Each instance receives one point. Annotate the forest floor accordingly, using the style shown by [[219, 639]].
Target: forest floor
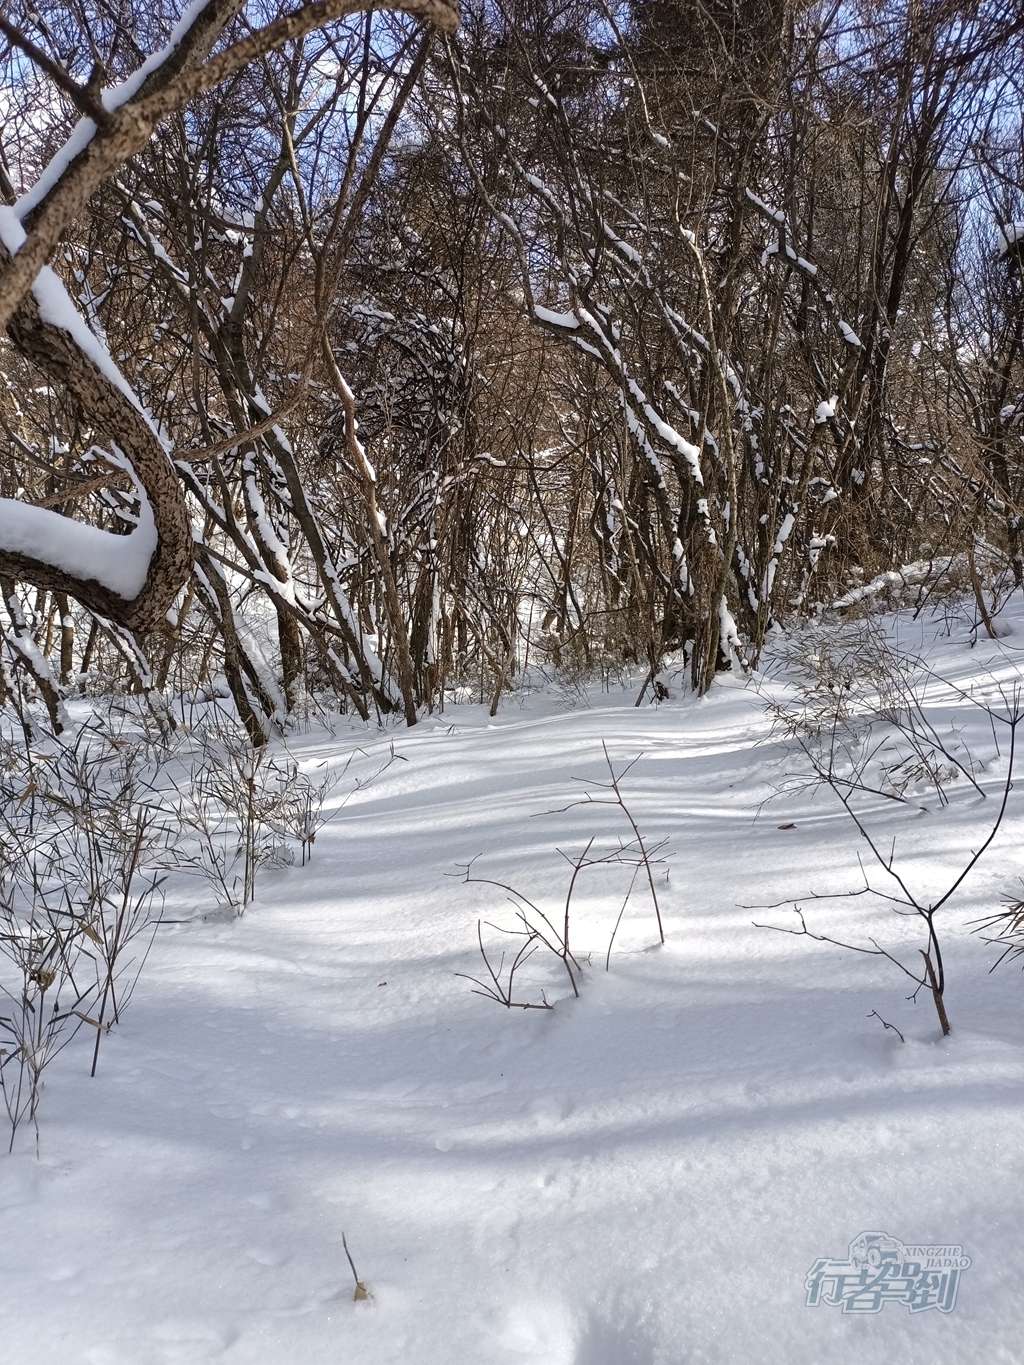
[[643, 1175]]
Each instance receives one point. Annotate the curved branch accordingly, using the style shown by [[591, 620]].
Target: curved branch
[[131, 579]]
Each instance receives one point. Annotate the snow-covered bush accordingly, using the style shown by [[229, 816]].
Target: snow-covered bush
[[82, 826], [240, 806], [551, 930], [855, 710], [857, 715]]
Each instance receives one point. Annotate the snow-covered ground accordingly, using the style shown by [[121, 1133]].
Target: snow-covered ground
[[642, 1176]]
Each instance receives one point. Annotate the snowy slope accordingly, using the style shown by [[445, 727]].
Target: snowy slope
[[643, 1176]]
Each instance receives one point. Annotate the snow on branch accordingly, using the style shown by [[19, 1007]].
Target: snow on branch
[[807, 268]]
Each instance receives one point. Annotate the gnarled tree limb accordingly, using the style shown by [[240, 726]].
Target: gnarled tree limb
[[121, 424]]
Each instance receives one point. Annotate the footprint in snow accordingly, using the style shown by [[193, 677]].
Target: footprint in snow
[[548, 1110], [201, 1338], [607, 1342], [19, 1183]]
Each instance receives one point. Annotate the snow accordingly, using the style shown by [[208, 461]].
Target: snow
[[775, 214], [629, 252], [824, 412], [639, 433], [671, 437], [909, 575], [805, 265], [786, 527], [731, 644], [119, 563], [643, 1176], [665, 430], [1009, 234], [849, 335], [554, 319]]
